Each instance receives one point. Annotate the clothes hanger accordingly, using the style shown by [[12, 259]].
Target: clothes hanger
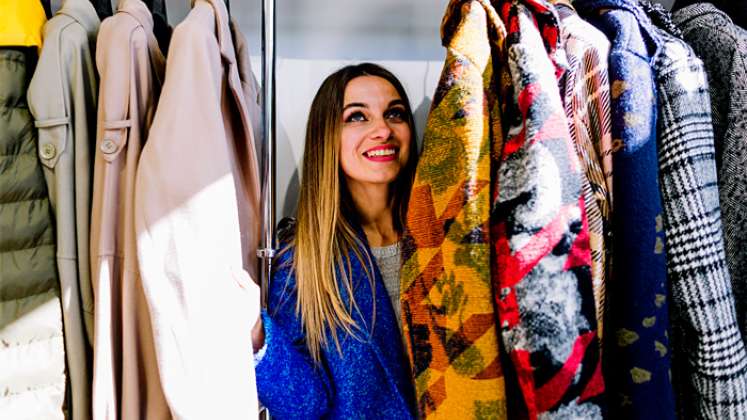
[[103, 8]]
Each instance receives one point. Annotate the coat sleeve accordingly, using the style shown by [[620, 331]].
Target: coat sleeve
[[289, 383], [84, 93]]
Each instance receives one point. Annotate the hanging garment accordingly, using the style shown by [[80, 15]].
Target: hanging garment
[[32, 355], [126, 383], [734, 10], [723, 48], [708, 348], [250, 86], [198, 223], [367, 378], [638, 373], [62, 98], [21, 23], [448, 318], [585, 89], [539, 229]]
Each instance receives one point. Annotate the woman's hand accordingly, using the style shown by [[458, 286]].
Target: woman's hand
[[253, 297], [258, 335]]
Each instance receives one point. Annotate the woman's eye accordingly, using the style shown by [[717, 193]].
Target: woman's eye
[[355, 117], [396, 115]]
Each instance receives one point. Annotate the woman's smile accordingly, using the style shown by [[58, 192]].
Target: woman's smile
[[383, 153]]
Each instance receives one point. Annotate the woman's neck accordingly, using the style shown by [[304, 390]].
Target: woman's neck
[[374, 206]]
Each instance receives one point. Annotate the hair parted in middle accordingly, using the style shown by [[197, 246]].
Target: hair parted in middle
[[327, 227]]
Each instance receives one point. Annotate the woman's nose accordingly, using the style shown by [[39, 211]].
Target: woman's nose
[[381, 130]]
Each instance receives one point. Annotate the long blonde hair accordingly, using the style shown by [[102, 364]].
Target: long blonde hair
[[327, 222]]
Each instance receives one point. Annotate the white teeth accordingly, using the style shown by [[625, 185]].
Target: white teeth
[[380, 152]]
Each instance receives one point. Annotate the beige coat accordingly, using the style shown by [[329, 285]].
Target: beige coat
[[62, 98], [197, 218], [131, 67]]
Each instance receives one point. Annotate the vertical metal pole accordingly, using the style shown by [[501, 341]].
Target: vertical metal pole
[[267, 248]]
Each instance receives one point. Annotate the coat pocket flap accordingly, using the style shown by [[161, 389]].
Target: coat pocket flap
[[52, 140], [114, 139]]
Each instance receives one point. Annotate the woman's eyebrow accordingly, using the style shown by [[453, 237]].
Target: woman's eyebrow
[[396, 102], [355, 105]]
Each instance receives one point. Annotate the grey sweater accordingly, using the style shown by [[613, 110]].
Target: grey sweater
[[387, 259]]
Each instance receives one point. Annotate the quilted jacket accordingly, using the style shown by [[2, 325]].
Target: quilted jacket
[[33, 381]]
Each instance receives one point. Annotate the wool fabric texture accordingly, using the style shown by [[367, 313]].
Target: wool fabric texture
[[541, 269], [723, 48], [638, 351], [585, 89], [367, 378], [709, 352], [449, 321]]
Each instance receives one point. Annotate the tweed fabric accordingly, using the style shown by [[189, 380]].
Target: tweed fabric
[[447, 300], [638, 351], [709, 350], [723, 48], [540, 235], [585, 89]]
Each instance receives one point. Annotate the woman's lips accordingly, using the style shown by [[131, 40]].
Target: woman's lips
[[383, 153]]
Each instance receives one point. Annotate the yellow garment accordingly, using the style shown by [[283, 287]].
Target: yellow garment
[[21, 23], [448, 309]]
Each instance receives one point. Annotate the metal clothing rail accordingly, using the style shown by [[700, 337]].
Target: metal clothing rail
[[266, 251], [267, 247]]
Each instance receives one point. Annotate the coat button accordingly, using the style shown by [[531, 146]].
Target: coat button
[[108, 146], [505, 291], [48, 151]]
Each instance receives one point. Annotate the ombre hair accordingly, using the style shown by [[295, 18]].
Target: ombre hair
[[327, 228]]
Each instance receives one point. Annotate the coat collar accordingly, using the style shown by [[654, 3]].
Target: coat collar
[[139, 11], [222, 28], [695, 11], [382, 332], [591, 8], [83, 12], [384, 338]]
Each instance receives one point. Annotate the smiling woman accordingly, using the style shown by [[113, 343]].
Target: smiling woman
[[332, 331]]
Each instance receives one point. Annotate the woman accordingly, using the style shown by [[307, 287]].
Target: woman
[[330, 344]]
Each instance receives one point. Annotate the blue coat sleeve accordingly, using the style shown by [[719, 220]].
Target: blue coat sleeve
[[289, 383]]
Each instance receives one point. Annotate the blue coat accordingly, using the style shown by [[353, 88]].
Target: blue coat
[[370, 378], [637, 344]]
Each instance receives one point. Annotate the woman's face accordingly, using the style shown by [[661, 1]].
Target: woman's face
[[376, 133]]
